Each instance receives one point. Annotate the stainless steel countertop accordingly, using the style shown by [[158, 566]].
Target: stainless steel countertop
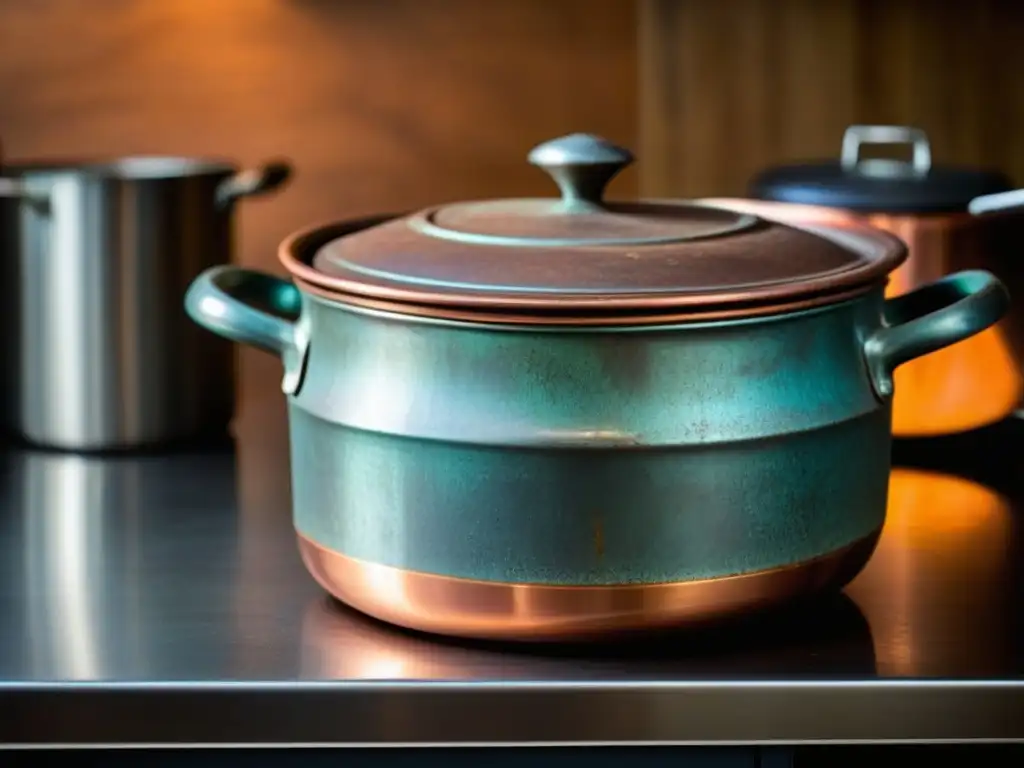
[[160, 599]]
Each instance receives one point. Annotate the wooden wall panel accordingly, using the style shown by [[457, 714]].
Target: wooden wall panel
[[381, 105], [384, 104], [731, 86]]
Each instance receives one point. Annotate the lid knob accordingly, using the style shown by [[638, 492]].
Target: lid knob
[[582, 165]]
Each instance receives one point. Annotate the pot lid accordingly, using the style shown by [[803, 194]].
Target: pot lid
[[581, 251], [879, 185]]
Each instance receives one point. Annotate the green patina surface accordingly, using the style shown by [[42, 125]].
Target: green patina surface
[[659, 386], [590, 456], [598, 457], [584, 516]]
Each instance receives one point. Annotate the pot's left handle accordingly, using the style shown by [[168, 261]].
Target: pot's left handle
[[253, 181], [253, 308], [932, 317]]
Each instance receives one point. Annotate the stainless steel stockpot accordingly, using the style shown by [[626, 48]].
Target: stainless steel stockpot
[[97, 257], [571, 417]]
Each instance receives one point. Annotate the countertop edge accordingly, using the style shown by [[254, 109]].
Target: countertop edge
[[254, 714]]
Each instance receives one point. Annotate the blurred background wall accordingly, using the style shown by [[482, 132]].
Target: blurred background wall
[[381, 105], [396, 104], [728, 87]]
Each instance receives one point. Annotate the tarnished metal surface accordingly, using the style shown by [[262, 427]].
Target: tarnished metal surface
[[655, 387], [588, 457], [161, 599], [588, 517]]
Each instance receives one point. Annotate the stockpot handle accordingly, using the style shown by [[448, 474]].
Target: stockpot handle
[[17, 188], [253, 308], [253, 181], [11, 188], [934, 316]]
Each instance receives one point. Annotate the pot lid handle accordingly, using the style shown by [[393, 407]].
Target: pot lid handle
[[582, 165], [857, 135]]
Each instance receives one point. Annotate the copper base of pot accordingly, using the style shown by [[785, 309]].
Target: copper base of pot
[[495, 610]]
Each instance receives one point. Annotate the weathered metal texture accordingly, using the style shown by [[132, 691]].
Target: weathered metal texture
[[684, 385], [435, 458], [588, 517], [628, 456], [590, 456]]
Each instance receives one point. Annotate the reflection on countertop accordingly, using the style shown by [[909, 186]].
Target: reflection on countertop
[[827, 639], [938, 591], [184, 566]]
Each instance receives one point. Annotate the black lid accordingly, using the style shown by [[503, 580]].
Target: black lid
[[879, 185]]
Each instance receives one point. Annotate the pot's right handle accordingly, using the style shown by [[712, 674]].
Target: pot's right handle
[[932, 317], [253, 308]]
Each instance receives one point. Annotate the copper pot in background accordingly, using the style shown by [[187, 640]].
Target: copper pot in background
[[974, 382]]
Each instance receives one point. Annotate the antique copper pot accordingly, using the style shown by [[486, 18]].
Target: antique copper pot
[[570, 417]]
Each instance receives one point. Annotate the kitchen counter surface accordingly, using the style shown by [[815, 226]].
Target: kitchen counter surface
[[160, 599]]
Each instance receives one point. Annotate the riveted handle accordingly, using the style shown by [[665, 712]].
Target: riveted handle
[[932, 317], [857, 136], [253, 308], [582, 165]]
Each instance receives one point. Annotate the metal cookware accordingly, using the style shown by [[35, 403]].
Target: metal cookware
[[568, 417], [97, 257], [977, 381]]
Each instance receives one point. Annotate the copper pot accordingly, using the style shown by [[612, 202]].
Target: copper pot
[[974, 382], [568, 417]]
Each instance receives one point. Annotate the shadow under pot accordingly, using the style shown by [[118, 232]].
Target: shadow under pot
[[566, 418], [927, 205], [97, 256]]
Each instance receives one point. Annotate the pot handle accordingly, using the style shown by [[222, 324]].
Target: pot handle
[[253, 308], [253, 181], [16, 188], [11, 188], [934, 316]]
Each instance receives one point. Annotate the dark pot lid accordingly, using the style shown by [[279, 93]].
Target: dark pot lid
[[877, 185], [580, 251]]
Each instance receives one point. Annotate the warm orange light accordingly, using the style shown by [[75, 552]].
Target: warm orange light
[[936, 593], [967, 385]]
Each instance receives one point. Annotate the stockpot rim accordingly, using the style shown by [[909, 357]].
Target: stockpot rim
[[134, 167]]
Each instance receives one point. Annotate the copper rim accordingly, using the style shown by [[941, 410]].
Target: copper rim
[[296, 251], [571, 319], [496, 610]]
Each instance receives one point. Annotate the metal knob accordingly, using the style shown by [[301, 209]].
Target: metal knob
[[582, 165]]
